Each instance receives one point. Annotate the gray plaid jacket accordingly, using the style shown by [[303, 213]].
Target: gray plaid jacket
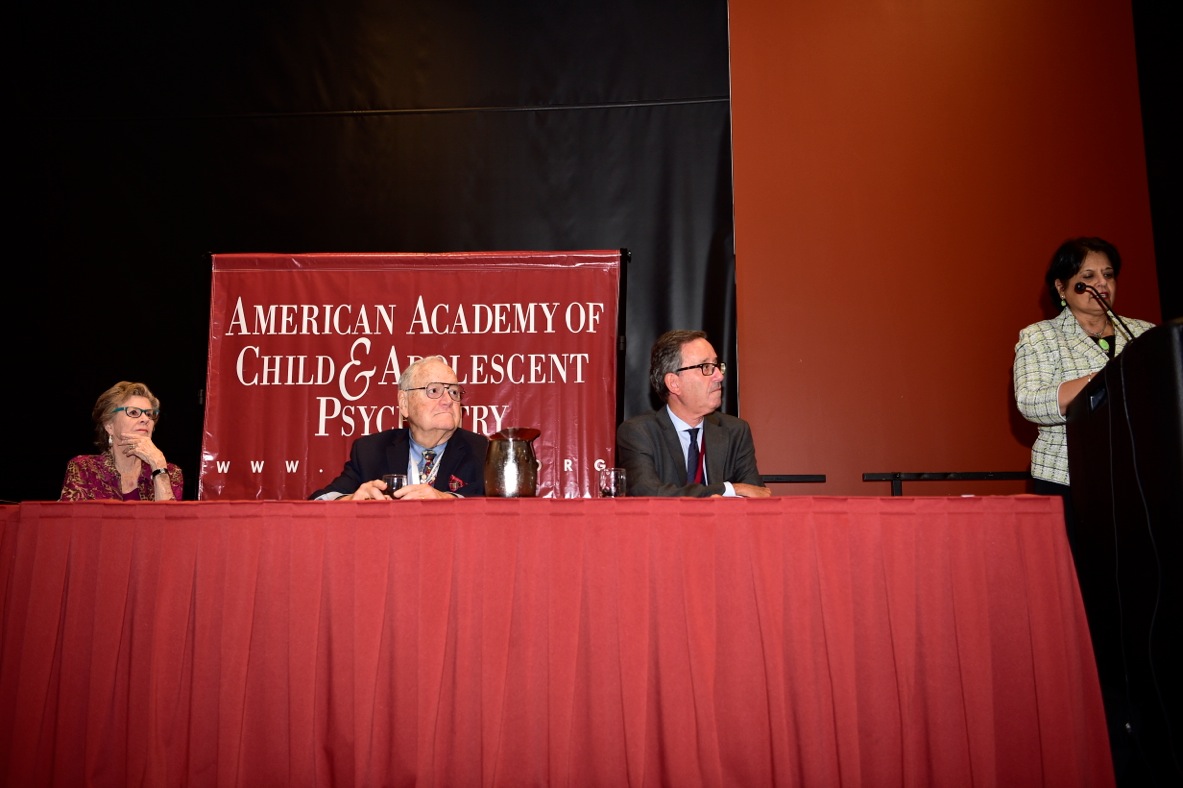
[[1048, 353]]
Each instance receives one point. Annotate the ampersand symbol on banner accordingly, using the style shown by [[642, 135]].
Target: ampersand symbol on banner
[[343, 381]]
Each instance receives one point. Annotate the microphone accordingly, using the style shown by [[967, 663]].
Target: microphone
[[1081, 287]]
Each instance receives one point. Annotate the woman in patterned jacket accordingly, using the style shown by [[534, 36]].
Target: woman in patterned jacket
[[129, 466], [1055, 359]]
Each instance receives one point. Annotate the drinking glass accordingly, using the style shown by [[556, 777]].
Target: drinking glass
[[394, 481], [613, 483]]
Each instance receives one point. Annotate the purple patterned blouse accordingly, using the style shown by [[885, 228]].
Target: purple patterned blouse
[[94, 476]]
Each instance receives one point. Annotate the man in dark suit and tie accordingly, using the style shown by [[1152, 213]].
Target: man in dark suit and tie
[[440, 459], [686, 448]]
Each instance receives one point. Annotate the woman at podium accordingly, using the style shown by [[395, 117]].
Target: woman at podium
[[1055, 359]]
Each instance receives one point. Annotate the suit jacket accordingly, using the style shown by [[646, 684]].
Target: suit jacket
[[647, 447], [1048, 353], [462, 468]]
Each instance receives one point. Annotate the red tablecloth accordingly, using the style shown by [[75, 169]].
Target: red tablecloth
[[790, 641]]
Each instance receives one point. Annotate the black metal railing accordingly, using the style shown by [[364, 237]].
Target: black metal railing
[[793, 478], [897, 478]]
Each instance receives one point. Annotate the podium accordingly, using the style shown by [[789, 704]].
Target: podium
[[1125, 458]]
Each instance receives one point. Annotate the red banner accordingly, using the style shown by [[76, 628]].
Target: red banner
[[305, 353]]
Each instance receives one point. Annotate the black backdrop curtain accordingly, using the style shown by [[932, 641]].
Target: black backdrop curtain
[[150, 136]]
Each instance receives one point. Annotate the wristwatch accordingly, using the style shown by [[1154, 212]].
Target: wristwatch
[[157, 472]]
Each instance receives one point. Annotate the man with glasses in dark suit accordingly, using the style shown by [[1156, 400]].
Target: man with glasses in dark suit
[[687, 448], [438, 458]]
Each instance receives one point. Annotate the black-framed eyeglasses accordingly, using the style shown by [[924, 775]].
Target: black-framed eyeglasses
[[436, 390], [135, 413], [706, 368]]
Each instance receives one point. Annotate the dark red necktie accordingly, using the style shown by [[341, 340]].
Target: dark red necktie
[[693, 461]]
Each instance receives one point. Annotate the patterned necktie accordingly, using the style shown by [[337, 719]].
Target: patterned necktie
[[692, 456], [428, 463]]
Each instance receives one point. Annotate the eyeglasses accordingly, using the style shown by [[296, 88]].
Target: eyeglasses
[[436, 390], [135, 413], [706, 368]]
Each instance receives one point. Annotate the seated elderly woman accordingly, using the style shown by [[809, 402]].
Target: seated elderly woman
[[129, 466]]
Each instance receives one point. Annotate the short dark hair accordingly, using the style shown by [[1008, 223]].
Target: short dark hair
[[666, 357], [1068, 258]]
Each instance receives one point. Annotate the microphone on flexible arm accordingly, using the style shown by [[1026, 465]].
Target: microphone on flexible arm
[[1081, 287]]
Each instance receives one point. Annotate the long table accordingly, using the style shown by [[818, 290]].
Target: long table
[[798, 641]]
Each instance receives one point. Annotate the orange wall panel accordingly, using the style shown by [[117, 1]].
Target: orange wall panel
[[903, 173]]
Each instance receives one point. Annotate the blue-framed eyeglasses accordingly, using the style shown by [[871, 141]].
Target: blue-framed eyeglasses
[[707, 368], [436, 390], [135, 413]]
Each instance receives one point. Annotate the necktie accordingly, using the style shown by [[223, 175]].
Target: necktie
[[692, 456], [428, 463]]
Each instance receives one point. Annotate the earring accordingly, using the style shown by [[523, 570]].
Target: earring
[[1063, 302]]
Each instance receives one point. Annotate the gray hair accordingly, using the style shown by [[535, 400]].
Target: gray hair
[[408, 376], [666, 357]]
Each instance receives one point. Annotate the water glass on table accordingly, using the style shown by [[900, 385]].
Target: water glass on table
[[394, 481], [613, 483]]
